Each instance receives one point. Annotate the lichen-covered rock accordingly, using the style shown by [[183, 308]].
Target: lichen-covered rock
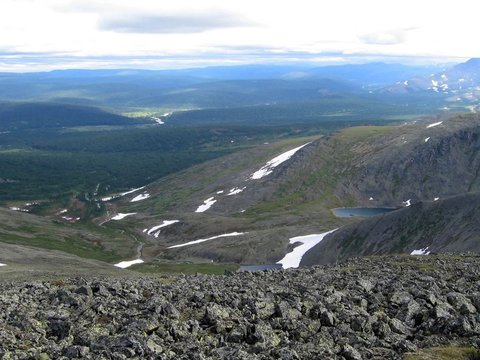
[[362, 309]]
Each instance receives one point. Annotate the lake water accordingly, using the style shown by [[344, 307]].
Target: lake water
[[364, 212], [260, 267]]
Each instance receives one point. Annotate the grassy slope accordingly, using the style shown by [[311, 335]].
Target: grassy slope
[[83, 240]]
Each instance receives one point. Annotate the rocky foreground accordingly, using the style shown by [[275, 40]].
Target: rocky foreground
[[370, 308]]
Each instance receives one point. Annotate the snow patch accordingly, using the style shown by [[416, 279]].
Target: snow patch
[[3, 264], [235, 191], [120, 216], [126, 264], [108, 198], [293, 258], [434, 83], [14, 208], [434, 124], [426, 139], [405, 83], [269, 166], [408, 202], [157, 120], [436, 199], [220, 192], [207, 239], [155, 231], [206, 205], [420, 252], [140, 197], [371, 198]]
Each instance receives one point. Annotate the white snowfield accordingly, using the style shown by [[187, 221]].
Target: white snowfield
[[14, 208], [120, 216], [272, 164], [207, 204], [236, 191], [293, 258], [108, 198], [434, 124], [155, 231], [420, 252], [158, 120], [207, 239], [140, 197], [126, 264]]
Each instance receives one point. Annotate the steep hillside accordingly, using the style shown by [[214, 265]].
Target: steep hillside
[[225, 213], [443, 226]]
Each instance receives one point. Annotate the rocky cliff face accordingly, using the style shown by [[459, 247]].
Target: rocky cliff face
[[416, 163], [371, 308], [443, 226]]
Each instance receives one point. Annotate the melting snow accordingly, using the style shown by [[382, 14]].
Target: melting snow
[[420, 252], [426, 139], [235, 191], [269, 166], [434, 124], [293, 258], [108, 198], [434, 83], [206, 205], [408, 202], [140, 197], [126, 264], [14, 208], [154, 229], [120, 216], [158, 120], [207, 239]]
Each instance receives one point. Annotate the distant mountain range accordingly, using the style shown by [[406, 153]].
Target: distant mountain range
[[210, 87], [460, 82]]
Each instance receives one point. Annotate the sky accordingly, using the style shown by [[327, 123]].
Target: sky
[[38, 35]]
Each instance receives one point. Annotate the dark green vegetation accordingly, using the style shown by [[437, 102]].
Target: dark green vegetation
[[52, 150]]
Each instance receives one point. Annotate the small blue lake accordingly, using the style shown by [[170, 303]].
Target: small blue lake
[[364, 212]]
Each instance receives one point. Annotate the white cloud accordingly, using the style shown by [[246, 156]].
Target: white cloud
[[87, 29]]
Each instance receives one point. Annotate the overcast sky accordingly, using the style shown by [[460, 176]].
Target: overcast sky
[[49, 34]]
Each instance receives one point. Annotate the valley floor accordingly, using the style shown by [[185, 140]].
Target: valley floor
[[365, 308]]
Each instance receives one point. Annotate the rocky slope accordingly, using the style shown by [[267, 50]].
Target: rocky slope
[[442, 226], [370, 308]]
